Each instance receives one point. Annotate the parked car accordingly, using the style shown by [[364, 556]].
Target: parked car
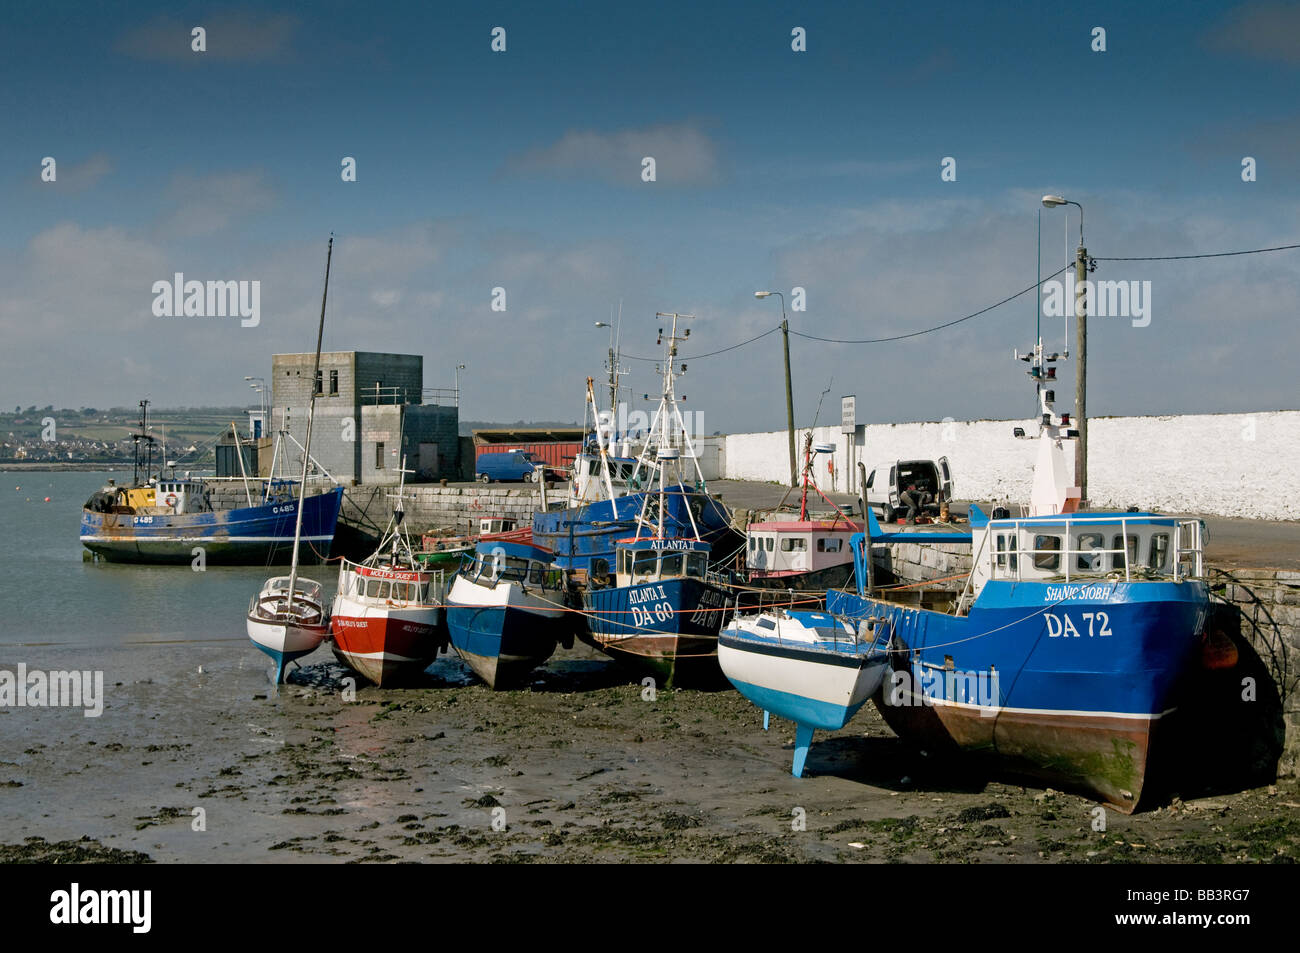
[[887, 481], [512, 465]]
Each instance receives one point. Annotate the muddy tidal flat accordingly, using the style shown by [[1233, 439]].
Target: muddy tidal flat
[[197, 757]]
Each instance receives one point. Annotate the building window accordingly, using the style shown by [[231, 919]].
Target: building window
[[319, 376], [379, 456], [334, 382]]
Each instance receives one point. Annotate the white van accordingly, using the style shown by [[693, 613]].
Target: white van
[[887, 481]]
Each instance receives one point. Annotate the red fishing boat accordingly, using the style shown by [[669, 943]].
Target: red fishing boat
[[387, 621]]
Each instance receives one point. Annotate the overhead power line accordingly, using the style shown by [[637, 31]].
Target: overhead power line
[[937, 327], [1217, 254], [975, 314], [696, 357]]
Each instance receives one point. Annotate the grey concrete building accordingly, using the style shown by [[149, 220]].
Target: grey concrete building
[[370, 412]]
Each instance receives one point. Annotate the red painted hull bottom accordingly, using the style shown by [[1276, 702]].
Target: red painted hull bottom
[[1103, 757], [386, 650]]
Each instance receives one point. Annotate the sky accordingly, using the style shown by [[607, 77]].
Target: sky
[[775, 169]]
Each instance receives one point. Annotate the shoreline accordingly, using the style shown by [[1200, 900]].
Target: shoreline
[[578, 767]]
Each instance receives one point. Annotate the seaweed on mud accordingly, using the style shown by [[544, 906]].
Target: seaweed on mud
[[988, 812], [37, 850]]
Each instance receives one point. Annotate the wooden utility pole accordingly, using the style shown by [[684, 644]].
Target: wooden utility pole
[[789, 396], [1081, 370]]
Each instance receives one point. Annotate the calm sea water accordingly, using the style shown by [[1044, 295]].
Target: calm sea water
[[51, 595]]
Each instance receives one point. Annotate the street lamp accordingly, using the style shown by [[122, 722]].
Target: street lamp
[[789, 393], [261, 395], [459, 368], [1080, 349]]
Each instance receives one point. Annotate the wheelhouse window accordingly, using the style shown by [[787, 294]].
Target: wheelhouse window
[[1131, 550], [1089, 557], [831, 545], [794, 544], [674, 564], [1005, 545], [645, 563], [1159, 554], [1047, 552], [770, 543], [697, 565]]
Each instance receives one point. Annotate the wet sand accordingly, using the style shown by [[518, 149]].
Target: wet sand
[[579, 767]]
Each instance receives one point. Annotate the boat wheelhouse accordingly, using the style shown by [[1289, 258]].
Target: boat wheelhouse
[[807, 553], [506, 611]]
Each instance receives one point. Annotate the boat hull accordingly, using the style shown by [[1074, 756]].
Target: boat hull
[[386, 645], [1065, 683], [251, 535], [502, 632], [284, 641], [667, 628], [818, 688]]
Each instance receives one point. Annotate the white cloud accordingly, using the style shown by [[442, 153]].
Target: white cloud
[[684, 154], [231, 36]]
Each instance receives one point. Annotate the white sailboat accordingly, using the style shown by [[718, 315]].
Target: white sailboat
[[287, 618]]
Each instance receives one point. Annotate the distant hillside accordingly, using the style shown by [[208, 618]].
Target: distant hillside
[[467, 427]]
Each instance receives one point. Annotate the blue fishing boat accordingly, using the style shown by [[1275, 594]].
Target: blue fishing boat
[[810, 667], [610, 494], [120, 530], [506, 611], [1062, 656], [161, 519], [660, 611]]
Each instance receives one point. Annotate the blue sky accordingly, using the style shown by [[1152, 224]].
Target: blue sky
[[521, 170]]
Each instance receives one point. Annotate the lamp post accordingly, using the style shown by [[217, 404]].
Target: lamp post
[[459, 368], [1081, 351], [260, 387], [789, 393]]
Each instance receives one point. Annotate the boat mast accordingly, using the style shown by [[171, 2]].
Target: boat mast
[[311, 407]]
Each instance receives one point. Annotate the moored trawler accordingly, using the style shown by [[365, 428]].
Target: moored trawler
[[164, 520], [387, 618], [161, 519], [660, 611], [1063, 655], [506, 611]]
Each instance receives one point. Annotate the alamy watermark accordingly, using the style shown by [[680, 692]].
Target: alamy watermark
[[1102, 299], [627, 422], [38, 689], [208, 299]]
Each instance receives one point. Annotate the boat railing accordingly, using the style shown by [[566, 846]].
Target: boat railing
[[1185, 559]]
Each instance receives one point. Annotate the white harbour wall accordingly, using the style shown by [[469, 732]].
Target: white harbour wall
[[1245, 465]]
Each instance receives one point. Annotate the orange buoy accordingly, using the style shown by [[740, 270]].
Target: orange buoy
[[47, 499]]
